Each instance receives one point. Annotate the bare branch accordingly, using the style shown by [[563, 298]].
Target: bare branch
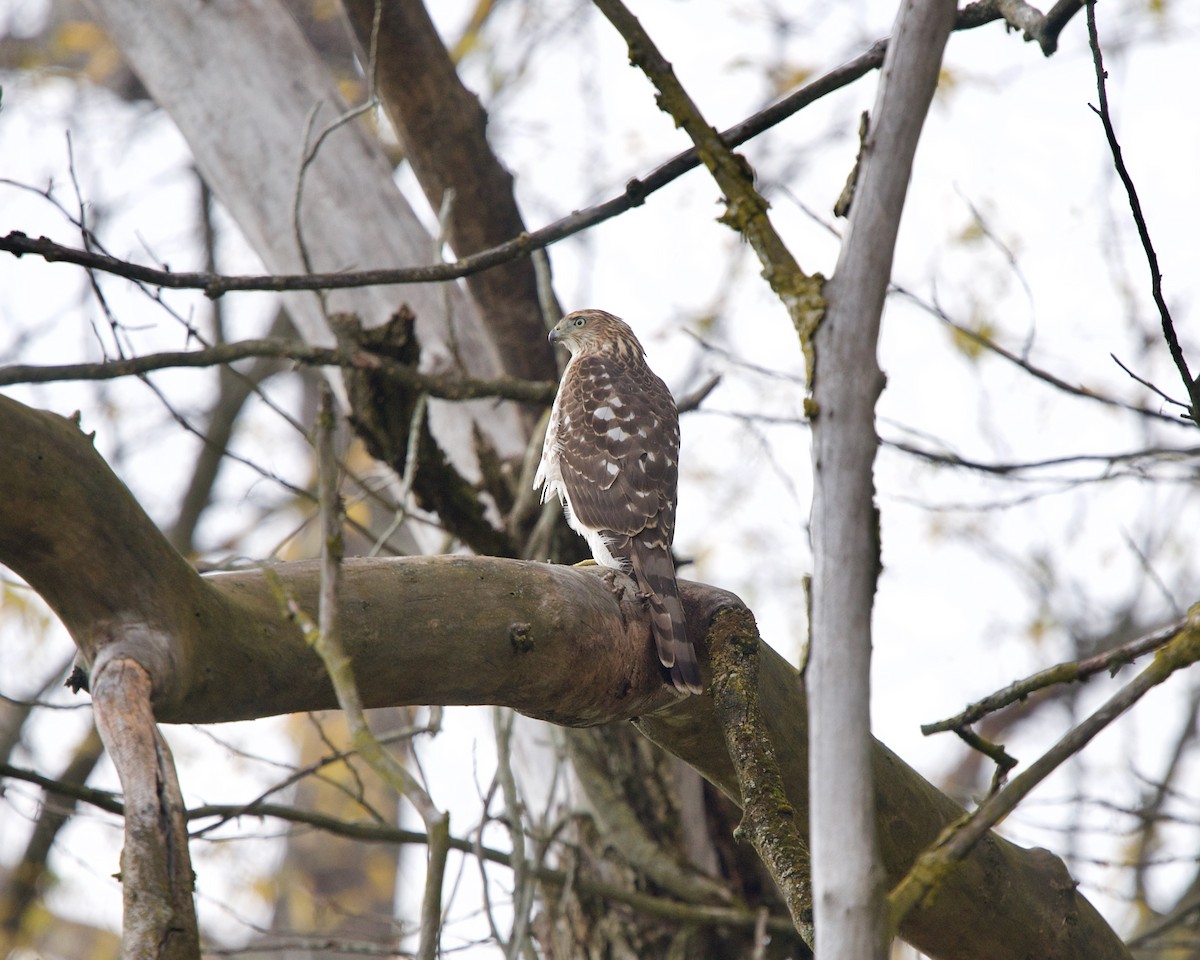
[[1149, 386], [1074, 671], [1015, 468], [372, 832], [993, 751], [443, 387], [1135, 207], [635, 194], [745, 208], [1033, 370]]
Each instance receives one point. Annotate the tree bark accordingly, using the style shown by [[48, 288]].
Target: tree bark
[[443, 128], [552, 642], [156, 869], [251, 97]]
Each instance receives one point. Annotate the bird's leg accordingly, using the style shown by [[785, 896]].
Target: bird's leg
[[609, 576]]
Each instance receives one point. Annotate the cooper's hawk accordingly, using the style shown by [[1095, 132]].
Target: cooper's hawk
[[612, 457]]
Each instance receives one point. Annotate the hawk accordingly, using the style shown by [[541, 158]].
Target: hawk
[[612, 456]]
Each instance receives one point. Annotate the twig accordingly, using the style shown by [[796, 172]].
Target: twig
[[308, 156], [326, 642], [693, 398], [655, 906], [994, 751], [1150, 813], [1148, 385], [1015, 468], [514, 809], [1135, 207], [403, 493], [1037, 372]]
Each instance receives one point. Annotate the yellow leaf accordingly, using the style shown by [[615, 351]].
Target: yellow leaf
[[79, 36], [971, 340]]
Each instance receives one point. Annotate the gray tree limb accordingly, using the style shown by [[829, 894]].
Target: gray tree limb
[[846, 382]]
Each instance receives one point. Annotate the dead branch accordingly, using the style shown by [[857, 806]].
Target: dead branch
[[156, 870]]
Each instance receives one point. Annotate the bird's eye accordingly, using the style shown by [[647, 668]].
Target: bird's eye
[[579, 321]]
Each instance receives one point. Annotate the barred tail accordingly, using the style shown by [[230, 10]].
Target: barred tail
[[655, 574]]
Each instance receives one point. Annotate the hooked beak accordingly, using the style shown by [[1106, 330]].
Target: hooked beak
[[554, 336]]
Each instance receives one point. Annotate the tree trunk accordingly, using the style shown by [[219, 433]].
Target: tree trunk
[[847, 896], [251, 98]]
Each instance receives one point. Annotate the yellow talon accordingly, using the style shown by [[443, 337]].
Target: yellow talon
[[586, 563]]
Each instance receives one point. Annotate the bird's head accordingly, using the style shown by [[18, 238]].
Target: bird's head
[[587, 332]]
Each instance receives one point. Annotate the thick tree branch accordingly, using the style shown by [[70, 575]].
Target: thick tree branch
[[769, 820], [550, 641]]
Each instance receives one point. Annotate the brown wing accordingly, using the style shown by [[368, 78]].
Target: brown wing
[[619, 447], [619, 458]]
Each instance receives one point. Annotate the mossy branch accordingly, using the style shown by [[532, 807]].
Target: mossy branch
[[768, 817]]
